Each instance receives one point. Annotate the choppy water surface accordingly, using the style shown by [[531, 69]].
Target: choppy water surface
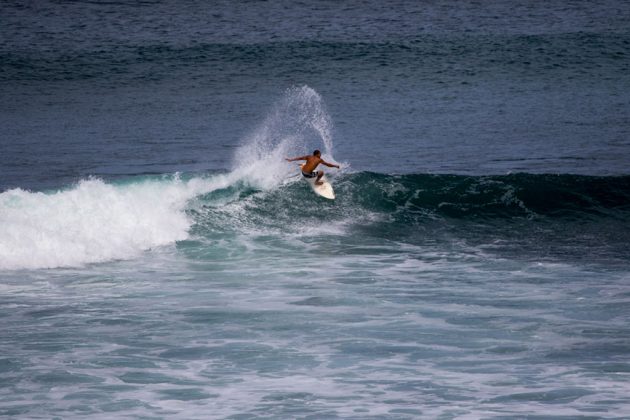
[[159, 257]]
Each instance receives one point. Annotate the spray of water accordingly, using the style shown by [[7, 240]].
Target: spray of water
[[298, 124]]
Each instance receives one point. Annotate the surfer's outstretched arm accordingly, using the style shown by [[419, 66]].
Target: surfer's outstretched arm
[[297, 158], [330, 165]]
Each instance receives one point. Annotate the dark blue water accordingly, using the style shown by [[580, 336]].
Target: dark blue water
[[159, 257]]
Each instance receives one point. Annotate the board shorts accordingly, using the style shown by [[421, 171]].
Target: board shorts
[[310, 174]]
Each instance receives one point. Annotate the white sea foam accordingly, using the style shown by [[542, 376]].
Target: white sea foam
[[94, 221]]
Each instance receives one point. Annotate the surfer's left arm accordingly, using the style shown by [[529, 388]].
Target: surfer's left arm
[[330, 165]]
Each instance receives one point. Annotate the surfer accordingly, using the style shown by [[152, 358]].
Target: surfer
[[308, 169]]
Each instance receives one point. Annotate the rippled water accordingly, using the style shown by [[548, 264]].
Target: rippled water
[[159, 258]]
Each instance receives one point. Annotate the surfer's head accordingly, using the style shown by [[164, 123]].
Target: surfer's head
[[317, 153]]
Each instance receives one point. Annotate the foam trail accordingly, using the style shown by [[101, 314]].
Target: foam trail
[[94, 221], [298, 124]]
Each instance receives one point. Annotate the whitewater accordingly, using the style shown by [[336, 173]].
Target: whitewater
[[159, 257], [241, 293]]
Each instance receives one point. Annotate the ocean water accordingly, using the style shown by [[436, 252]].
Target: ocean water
[[160, 259]]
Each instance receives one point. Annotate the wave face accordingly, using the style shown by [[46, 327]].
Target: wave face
[[95, 221], [505, 196], [555, 217]]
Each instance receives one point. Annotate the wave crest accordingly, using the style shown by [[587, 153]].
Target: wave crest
[[92, 222]]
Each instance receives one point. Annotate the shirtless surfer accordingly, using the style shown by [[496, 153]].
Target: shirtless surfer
[[308, 169]]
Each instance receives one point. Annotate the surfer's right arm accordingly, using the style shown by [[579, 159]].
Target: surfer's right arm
[[297, 158]]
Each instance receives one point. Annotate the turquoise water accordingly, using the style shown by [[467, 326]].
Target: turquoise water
[[160, 259], [408, 296]]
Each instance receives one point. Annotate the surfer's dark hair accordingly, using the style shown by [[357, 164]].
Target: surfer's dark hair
[[317, 153]]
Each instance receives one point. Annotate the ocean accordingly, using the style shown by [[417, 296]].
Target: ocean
[[159, 257]]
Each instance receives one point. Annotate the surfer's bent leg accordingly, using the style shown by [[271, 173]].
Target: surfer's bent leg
[[320, 174]]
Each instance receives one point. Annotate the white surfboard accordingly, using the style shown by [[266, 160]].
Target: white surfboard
[[325, 189]]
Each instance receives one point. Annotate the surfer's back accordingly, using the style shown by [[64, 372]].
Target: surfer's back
[[312, 162]]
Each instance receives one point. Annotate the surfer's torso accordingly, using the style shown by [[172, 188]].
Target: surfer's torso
[[311, 163]]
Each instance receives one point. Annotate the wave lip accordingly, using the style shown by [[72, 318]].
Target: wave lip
[[91, 222]]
